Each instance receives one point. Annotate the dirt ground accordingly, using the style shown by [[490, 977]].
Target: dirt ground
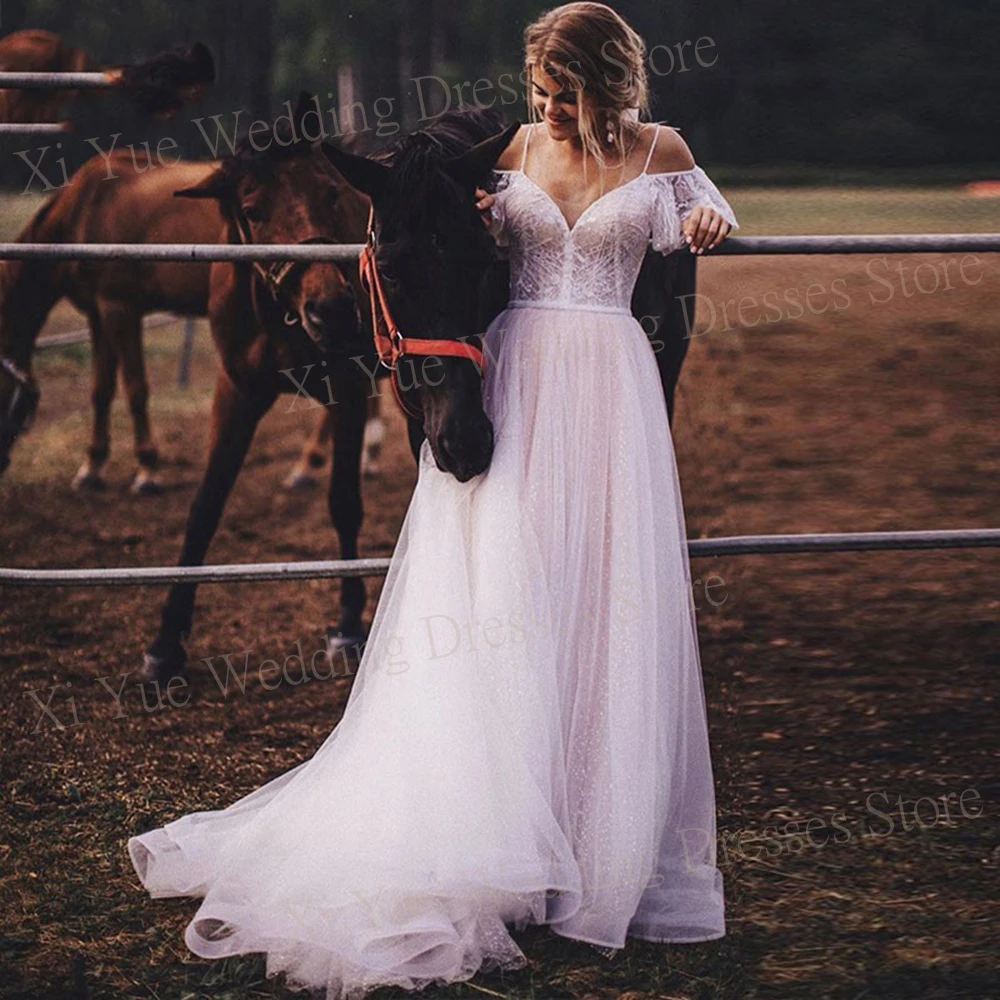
[[851, 696]]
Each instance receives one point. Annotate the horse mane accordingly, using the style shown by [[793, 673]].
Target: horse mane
[[417, 158], [246, 158], [451, 133], [154, 82]]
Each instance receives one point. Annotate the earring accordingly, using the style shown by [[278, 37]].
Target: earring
[[611, 137]]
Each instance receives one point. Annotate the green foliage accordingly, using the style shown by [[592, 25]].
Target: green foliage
[[853, 83]]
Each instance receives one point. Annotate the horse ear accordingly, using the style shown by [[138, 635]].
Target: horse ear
[[203, 63], [368, 176], [212, 186], [472, 167]]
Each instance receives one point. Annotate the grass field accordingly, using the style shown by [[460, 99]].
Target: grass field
[[845, 692]]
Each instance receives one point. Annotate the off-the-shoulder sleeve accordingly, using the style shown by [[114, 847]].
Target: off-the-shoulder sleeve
[[498, 214], [677, 193]]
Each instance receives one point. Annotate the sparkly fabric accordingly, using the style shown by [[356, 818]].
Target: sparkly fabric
[[525, 740], [596, 262]]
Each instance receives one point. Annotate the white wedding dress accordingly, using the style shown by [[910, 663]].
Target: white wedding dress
[[525, 739]]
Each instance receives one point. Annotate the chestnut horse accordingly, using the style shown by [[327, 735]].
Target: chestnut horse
[[131, 207], [279, 328], [315, 451], [161, 86]]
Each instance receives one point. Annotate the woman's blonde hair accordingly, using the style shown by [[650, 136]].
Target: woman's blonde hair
[[590, 49]]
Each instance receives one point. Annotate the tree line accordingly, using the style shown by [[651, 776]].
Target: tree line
[[748, 82]]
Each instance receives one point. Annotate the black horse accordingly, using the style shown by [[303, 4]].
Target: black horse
[[443, 276], [432, 253]]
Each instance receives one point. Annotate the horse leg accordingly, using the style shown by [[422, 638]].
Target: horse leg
[[374, 436], [675, 332], [137, 390], [346, 509], [313, 456], [104, 363], [234, 421]]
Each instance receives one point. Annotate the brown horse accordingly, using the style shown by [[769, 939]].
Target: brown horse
[[161, 86], [279, 329], [314, 453], [134, 207], [138, 207]]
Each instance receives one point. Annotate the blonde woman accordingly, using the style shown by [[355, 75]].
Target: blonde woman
[[526, 737]]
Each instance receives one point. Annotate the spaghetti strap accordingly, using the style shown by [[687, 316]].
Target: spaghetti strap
[[524, 148], [652, 146]]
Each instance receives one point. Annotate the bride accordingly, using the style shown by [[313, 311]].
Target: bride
[[525, 740]]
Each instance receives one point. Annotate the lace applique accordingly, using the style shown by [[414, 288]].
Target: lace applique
[[676, 195], [501, 181], [594, 262]]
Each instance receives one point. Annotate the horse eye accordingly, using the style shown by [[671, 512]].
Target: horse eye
[[253, 213]]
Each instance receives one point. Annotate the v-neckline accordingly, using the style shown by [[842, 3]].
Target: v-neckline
[[571, 228]]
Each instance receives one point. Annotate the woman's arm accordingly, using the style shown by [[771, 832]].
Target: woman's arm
[[671, 152], [704, 228], [510, 158]]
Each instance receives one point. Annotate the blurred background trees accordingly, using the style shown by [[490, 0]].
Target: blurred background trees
[[793, 83]]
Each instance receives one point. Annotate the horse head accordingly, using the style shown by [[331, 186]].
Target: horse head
[[280, 188], [431, 251]]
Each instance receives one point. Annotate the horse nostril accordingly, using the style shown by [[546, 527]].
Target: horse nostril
[[332, 314]]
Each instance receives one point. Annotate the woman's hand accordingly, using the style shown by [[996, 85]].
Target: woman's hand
[[483, 202], [704, 229]]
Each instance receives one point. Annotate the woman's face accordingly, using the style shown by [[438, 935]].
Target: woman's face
[[557, 106]]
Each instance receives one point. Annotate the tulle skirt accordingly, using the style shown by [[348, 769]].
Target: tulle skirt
[[525, 740]]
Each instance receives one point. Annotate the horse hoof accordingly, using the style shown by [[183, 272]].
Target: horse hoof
[[161, 667], [86, 480], [299, 480], [335, 639], [144, 485], [342, 648]]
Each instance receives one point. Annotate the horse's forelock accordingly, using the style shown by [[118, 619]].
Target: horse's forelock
[[422, 190], [245, 154], [450, 134]]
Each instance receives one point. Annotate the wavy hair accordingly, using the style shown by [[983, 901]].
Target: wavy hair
[[592, 50]]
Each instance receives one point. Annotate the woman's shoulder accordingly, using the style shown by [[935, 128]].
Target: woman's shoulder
[[510, 158], [671, 153]]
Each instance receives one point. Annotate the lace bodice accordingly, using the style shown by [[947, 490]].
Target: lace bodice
[[595, 262]]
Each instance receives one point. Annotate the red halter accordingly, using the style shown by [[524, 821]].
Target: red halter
[[389, 342]]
